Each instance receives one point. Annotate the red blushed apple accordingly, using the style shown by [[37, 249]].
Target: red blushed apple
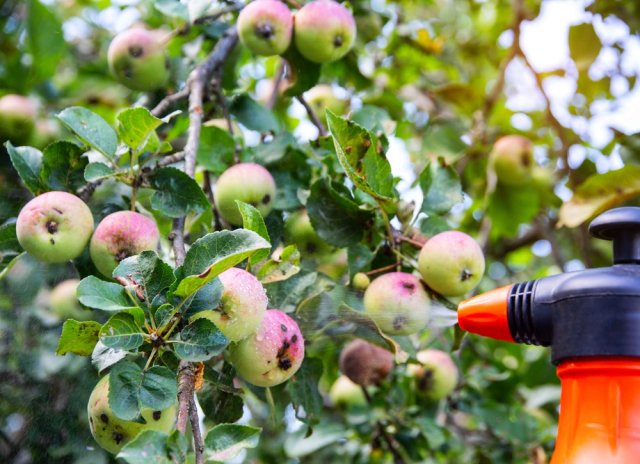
[[436, 375], [398, 303], [120, 235], [272, 354], [54, 227], [451, 263], [242, 306], [512, 160], [265, 27], [324, 31]]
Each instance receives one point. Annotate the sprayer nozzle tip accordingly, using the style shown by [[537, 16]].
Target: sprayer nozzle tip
[[486, 314]]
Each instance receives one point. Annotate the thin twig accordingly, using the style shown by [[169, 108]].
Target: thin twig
[[277, 82], [85, 192], [313, 116], [219, 13], [195, 428], [168, 101]]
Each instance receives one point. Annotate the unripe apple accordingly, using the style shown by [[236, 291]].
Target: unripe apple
[[17, 118], [111, 432], [512, 159], [451, 263], [436, 375], [299, 232], [272, 354], [54, 227], [334, 264], [64, 302], [265, 27], [249, 183], [322, 98], [346, 393], [137, 59], [242, 306], [120, 235], [360, 281], [324, 31], [398, 303], [365, 363]]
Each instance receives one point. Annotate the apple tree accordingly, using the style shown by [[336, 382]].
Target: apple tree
[[239, 231]]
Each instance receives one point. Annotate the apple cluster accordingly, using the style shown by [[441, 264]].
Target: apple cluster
[[322, 30]]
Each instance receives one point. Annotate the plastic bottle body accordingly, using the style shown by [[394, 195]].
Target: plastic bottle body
[[599, 412]]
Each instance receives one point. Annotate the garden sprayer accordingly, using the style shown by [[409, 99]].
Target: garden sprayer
[[591, 321]]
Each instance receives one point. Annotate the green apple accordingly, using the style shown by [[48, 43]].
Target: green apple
[[360, 281], [17, 118], [246, 182], [322, 97], [324, 31], [512, 160], [242, 306], [398, 303], [272, 354], [436, 375], [365, 363], [299, 232], [120, 235], [111, 432], [137, 59], [451, 263], [345, 393], [265, 27], [54, 227], [64, 302]]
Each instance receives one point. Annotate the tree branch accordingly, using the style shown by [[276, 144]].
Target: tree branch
[[169, 101], [186, 380], [313, 116]]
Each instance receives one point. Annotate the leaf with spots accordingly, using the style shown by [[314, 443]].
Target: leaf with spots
[[78, 337], [91, 129], [146, 273], [199, 341], [63, 166], [122, 332], [225, 441], [281, 267]]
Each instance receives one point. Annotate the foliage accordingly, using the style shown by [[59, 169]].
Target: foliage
[[428, 83]]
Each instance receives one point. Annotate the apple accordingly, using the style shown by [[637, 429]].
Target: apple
[[137, 59], [344, 392], [365, 363], [299, 232], [17, 118], [111, 432], [246, 182], [451, 263], [322, 97], [360, 281], [54, 227], [334, 264], [272, 354], [64, 302], [436, 375], [120, 235], [324, 31], [242, 306], [265, 27], [512, 160], [398, 303]]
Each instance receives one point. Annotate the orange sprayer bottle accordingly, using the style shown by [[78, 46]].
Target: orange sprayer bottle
[[591, 321]]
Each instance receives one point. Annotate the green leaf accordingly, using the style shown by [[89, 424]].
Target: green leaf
[[45, 40], [78, 337], [10, 248], [303, 388], [216, 149], [91, 129], [225, 441], [121, 332], [511, 206], [281, 267], [27, 161], [149, 447], [176, 193], [215, 253], [336, 218], [252, 220], [96, 171], [371, 118], [304, 73], [104, 357], [172, 8], [199, 341], [584, 45], [287, 294], [441, 188], [131, 388], [135, 126], [63, 166], [98, 294], [206, 298], [145, 272], [599, 193], [252, 115], [361, 156]]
